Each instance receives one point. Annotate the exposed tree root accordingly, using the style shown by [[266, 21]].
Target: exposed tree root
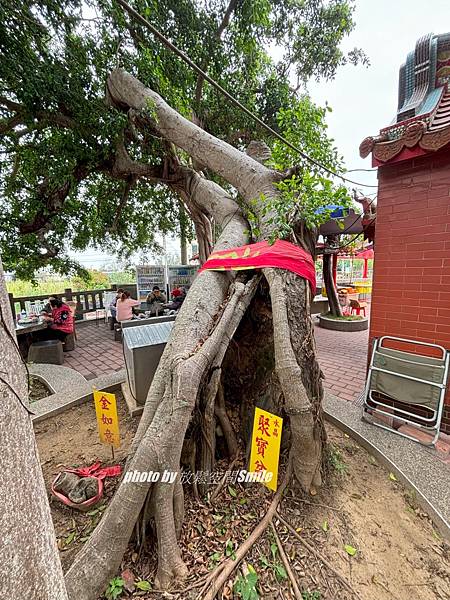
[[306, 443], [286, 563], [308, 546], [223, 572], [228, 431]]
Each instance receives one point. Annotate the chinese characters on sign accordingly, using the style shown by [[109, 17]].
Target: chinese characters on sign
[[266, 439], [107, 420]]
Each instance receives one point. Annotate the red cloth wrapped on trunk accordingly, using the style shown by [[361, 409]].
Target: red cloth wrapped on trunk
[[281, 255]]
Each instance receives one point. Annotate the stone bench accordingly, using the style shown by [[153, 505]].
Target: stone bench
[[69, 343], [48, 352]]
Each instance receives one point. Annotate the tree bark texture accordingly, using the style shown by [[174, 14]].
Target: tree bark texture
[[29, 566], [330, 287]]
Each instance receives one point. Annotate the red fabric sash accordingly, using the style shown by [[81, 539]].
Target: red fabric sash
[[93, 471], [281, 255]]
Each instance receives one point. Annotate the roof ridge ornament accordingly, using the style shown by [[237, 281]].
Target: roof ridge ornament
[[424, 81]]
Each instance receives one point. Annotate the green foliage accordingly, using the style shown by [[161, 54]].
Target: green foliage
[[143, 585], [59, 140], [229, 550], [336, 460], [274, 564], [330, 315], [115, 588], [311, 188], [96, 280], [214, 560], [245, 586], [315, 595], [351, 551]]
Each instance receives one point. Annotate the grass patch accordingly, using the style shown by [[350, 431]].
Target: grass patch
[[336, 460], [328, 315]]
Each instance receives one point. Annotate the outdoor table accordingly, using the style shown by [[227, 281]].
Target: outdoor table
[[30, 327], [144, 307], [24, 335]]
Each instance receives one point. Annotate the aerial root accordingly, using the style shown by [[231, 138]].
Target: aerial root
[[220, 575]]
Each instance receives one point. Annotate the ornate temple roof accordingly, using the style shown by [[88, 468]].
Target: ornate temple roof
[[422, 122]]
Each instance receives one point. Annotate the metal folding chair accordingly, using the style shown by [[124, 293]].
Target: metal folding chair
[[399, 382]]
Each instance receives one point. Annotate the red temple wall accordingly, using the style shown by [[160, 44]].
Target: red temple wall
[[411, 279]]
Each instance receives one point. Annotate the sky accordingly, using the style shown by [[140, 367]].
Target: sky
[[363, 99]]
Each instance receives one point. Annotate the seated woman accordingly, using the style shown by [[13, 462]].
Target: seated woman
[[124, 307], [113, 305], [60, 320], [178, 296]]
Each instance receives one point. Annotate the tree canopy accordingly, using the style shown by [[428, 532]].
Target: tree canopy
[[77, 172]]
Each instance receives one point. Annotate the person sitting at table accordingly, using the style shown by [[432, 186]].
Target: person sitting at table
[[124, 307], [113, 305], [178, 296], [60, 320], [156, 297]]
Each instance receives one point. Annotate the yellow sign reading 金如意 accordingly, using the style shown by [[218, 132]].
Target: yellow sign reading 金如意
[[266, 441], [107, 420]]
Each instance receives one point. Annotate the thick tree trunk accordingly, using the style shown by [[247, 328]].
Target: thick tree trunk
[[29, 565], [332, 295], [188, 377]]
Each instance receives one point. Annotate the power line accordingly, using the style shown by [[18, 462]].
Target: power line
[[135, 15]]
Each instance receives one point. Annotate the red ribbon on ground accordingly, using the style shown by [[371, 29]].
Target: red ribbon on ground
[[93, 471], [281, 255]]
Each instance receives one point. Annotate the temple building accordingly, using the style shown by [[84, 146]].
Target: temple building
[[411, 280]]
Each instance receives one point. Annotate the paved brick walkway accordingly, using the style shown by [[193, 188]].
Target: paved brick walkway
[[96, 351], [342, 357]]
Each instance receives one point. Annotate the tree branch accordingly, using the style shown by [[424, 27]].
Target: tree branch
[[11, 105], [223, 25], [123, 166], [51, 201], [126, 194], [7, 125], [43, 117], [248, 176]]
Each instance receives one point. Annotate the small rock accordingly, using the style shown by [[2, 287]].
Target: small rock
[[128, 580]]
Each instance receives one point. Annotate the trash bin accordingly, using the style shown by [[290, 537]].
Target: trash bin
[[142, 348]]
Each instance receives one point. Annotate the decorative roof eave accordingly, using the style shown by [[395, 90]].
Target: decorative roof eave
[[415, 134]]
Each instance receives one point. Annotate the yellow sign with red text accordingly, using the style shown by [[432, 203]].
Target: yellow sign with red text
[[265, 451], [107, 420]]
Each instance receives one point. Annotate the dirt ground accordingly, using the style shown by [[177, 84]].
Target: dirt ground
[[363, 524], [38, 390]]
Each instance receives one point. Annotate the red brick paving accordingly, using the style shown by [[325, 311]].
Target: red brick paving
[[342, 358], [96, 351]]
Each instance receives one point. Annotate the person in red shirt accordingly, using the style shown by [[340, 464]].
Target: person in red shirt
[[60, 320]]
